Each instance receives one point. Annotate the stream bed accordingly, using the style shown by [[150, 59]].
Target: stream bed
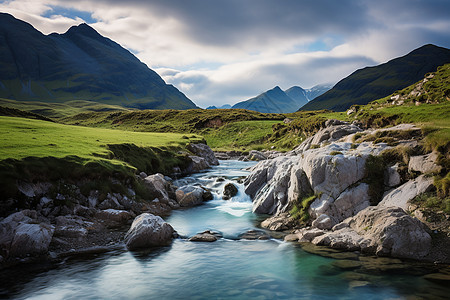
[[226, 269]]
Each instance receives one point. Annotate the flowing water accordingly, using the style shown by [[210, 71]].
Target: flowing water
[[226, 269]]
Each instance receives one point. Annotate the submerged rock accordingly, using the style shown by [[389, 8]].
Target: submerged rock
[[206, 236], [148, 230]]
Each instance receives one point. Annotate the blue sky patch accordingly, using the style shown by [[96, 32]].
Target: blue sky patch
[[69, 13]]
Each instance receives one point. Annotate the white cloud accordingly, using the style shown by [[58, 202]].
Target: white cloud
[[220, 52]]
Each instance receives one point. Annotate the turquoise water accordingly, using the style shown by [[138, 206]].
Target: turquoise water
[[225, 269]]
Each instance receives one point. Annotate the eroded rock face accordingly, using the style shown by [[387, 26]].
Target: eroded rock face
[[384, 231], [148, 230]]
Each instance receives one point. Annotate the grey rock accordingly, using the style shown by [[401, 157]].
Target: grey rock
[[198, 164], [204, 151], [148, 230], [189, 195], [279, 223], [256, 155], [323, 222], [425, 163], [402, 195], [391, 176], [114, 215], [158, 187], [206, 236], [384, 231]]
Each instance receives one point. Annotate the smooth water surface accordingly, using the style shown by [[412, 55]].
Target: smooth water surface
[[225, 269]]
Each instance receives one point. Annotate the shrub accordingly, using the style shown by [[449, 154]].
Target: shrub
[[300, 209]]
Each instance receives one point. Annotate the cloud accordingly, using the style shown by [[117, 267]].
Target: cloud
[[220, 52]]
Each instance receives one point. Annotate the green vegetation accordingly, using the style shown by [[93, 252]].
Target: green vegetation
[[374, 177], [40, 150], [431, 201], [60, 110], [300, 209]]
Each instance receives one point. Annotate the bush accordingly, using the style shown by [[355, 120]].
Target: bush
[[300, 209]]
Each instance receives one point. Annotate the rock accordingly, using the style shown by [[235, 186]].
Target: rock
[[148, 230], [189, 195], [206, 236], [384, 231], [391, 176], [203, 151], [307, 234], [401, 196], [348, 204], [425, 163], [256, 155], [254, 235], [333, 131], [197, 164], [158, 187], [229, 191], [322, 222], [143, 175], [114, 215], [111, 202], [346, 264], [31, 239], [279, 223]]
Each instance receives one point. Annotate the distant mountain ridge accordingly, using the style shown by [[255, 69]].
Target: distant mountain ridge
[[79, 64], [278, 101], [372, 83]]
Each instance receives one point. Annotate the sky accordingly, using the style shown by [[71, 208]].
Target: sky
[[225, 51]]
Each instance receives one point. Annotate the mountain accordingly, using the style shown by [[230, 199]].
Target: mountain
[[79, 64], [372, 83], [272, 101], [225, 106], [279, 101]]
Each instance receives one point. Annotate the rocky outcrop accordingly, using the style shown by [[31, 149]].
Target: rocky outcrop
[[333, 131], [384, 231], [279, 223], [332, 173], [148, 230]]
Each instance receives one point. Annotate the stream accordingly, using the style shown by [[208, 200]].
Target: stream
[[226, 269]]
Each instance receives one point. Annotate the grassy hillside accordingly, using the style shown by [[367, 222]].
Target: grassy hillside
[[41, 150], [373, 83], [60, 110]]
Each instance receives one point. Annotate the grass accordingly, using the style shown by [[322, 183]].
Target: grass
[[41, 150], [25, 137], [300, 209], [60, 110]]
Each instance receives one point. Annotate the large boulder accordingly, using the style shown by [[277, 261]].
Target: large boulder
[[402, 195], [22, 234], [148, 230], [204, 151], [31, 239], [158, 187], [190, 195], [197, 164], [384, 231]]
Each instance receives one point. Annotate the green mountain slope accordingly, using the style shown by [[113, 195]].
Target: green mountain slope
[[77, 65], [373, 83]]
